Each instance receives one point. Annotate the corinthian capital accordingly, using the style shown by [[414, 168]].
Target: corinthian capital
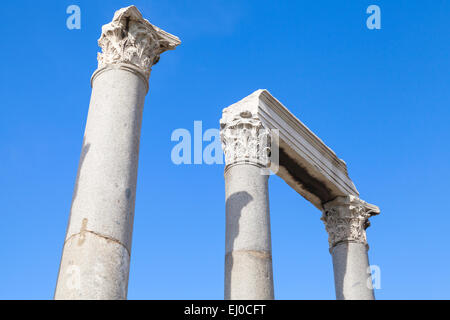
[[244, 138], [131, 39], [346, 219]]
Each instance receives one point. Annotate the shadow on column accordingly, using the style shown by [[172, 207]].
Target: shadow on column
[[233, 210], [84, 150], [339, 268], [352, 272]]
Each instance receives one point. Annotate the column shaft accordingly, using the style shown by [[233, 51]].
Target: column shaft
[[96, 255], [351, 272], [248, 259]]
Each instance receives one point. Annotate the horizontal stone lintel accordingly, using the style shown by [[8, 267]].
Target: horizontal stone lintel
[[305, 162]]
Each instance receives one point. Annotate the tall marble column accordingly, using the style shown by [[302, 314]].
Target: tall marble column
[[346, 220], [248, 258], [96, 256]]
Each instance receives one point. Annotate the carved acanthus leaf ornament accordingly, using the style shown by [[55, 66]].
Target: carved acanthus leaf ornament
[[346, 219], [244, 139], [129, 38]]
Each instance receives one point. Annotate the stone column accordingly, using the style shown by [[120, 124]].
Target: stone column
[[346, 219], [96, 256], [248, 258]]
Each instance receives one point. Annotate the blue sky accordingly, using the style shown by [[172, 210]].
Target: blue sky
[[378, 98]]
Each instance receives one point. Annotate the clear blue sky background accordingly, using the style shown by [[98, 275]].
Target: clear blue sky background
[[378, 98]]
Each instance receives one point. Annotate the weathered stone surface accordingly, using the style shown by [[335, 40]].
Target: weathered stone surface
[[96, 254], [248, 258], [131, 39], [244, 139], [105, 190], [346, 220], [351, 272], [93, 267]]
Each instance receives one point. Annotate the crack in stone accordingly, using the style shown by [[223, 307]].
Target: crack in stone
[[107, 238], [255, 253]]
